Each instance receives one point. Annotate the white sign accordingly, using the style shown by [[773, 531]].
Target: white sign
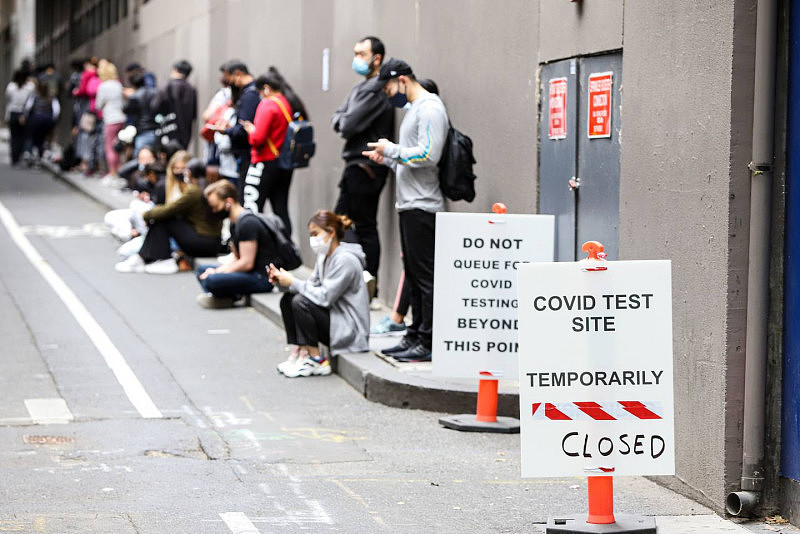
[[326, 69], [595, 372], [475, 288]]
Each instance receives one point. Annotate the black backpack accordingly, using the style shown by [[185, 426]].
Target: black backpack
[[455, 167], [298, 145], [287, 253]]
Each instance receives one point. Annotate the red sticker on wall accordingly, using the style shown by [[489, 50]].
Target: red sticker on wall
[[557, 103], [600, 105]]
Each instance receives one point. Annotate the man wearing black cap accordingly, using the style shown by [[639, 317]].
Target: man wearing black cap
[[178, 98], [365, 115], [236, 76], [414, 159]]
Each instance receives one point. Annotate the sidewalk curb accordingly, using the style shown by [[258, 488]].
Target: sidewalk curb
[[368, 373]]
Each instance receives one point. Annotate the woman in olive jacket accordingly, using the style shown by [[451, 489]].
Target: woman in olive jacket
[[186, 218]]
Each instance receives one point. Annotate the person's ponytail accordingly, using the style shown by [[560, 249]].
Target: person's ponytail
[[345, 221], [330, 222], [275, 79]]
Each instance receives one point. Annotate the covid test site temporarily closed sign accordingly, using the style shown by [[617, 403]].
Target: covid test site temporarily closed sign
[[595, 372], [475, 288]]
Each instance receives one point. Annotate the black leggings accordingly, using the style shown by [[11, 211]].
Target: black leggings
[[359, 194], [18, 135], [266, 180], [156, 243], [306, 323]]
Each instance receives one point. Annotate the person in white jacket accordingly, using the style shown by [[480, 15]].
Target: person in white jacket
[[332, 306]]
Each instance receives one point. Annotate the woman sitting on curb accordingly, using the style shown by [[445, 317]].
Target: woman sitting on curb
[[332, 306], [186, 218]]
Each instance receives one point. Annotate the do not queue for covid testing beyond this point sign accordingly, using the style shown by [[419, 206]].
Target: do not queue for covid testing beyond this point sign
[[595, 371], [475, 288]]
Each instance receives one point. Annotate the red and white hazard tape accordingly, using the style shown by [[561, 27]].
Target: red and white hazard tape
[[597, 411]]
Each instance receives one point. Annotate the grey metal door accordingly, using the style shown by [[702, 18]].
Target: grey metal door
[[579, 174]]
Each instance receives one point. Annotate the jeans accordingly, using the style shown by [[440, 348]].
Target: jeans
[[418, 241], [143, 139], [359, 193], [306, 323], [38, 127], [233, 285]]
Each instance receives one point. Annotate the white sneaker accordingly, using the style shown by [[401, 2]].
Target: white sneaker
[[372, 284], [131, 248], [134, 264], [169, 266], [309, 367], [375, 304], [292, 361]]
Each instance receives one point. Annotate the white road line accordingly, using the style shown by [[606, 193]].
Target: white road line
[[238, 523], [48, 411], [113, 357]]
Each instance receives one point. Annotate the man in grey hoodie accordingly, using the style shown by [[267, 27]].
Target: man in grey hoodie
[[414, 159]]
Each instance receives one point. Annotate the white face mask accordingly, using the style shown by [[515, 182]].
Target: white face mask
[[319, 245]]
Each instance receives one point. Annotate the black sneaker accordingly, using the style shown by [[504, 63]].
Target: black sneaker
[[417, 353], [405, 344]]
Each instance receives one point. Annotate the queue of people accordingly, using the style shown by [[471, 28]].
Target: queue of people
[[185, 208]]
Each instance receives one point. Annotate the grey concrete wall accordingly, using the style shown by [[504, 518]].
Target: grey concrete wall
[[685, 140], [570, 29], [484, 49], [684, 192]]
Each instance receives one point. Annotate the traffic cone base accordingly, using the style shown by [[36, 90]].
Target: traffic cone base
[[468, 422], [576, 524]]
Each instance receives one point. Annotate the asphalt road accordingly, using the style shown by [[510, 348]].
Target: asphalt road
[[226, 444]]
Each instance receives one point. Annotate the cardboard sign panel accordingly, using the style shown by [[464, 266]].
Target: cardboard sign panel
[[475, 288], [595, 372], [600, 85], [557, 117]]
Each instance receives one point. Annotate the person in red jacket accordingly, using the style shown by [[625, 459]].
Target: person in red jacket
[[265, 179], [90, 127]]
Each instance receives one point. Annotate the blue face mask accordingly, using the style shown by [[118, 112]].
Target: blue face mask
[[398, 99], [360, 66]]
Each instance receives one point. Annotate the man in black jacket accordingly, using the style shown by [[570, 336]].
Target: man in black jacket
[[140, 113], [180, 98], [364, 116], [236, 75]]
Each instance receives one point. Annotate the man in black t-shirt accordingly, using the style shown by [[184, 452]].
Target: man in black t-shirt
[[253, 249]]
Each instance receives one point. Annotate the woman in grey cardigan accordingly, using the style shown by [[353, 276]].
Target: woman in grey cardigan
[[331, 307]]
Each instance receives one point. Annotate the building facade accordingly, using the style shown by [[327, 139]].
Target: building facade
[[667, 179]]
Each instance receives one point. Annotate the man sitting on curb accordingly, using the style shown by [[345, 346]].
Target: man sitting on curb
[[253, 248]]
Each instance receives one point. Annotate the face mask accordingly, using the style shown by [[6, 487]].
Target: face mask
[[179, 176], [319, 245], [141, 167], [360, 66], [399, 99]]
